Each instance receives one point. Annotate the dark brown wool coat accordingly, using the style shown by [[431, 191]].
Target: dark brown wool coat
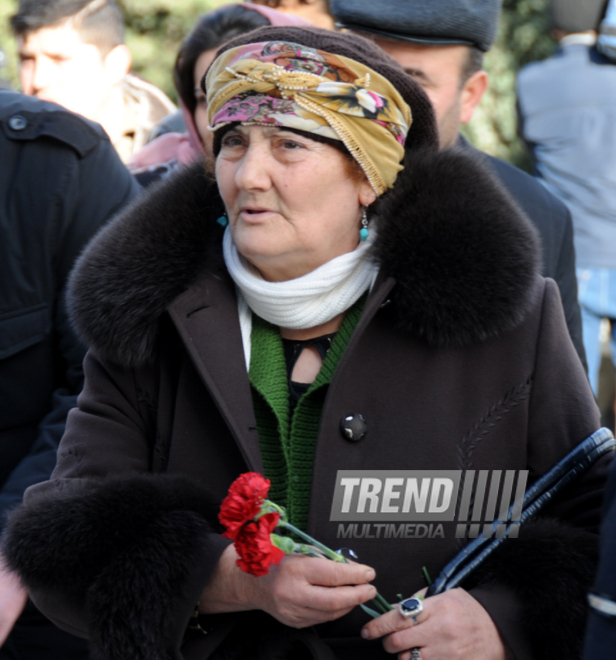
[[461, 360]]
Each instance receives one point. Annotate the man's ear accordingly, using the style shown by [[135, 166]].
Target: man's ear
[[472, 92], [117, 63]]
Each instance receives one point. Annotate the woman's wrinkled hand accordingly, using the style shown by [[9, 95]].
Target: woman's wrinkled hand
[[304, 591], [300, 592], [452, 626]]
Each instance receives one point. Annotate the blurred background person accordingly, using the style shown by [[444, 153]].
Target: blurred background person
[[72, 52], [567, 109], [210, 32], [314, 11], [60, 181], [441, 44]]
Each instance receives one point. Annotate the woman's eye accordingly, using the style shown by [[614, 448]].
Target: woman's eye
[[291, 144], [201, 100], [232, 141]]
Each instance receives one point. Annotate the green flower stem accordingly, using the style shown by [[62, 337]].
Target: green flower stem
[[374, 614], [386, 607], [330, 554], [380, 602], [308, 551], [268, 506], [381, 605]]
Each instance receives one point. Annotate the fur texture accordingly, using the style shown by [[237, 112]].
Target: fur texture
[[127, 544], [462, 253], [558, 564], [140, 262]]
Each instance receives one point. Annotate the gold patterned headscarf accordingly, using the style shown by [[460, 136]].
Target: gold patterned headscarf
[[279, 83]]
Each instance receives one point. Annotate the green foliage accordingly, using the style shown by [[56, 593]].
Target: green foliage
[[524, 36], [7, 43], [155, 29]]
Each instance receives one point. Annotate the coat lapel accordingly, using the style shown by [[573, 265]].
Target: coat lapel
[[206, 319]]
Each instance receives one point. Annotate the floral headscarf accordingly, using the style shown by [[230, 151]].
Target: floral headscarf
[[279, 83]]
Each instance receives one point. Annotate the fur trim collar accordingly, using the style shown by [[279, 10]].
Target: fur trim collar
[[462, 253]]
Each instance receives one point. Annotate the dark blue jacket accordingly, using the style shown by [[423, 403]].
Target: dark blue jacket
[[552, 220], [60, 180]]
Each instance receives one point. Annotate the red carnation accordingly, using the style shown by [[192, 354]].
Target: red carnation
[[243, 503], [254, 545]]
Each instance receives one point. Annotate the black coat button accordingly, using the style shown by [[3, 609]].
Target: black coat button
[[353, 427], [18, 123]]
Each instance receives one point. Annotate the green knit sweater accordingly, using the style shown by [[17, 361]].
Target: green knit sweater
[[288, 442]]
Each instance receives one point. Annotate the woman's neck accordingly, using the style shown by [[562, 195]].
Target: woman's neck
[[317, 331]]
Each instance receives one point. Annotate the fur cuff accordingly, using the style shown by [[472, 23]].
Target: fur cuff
[[549, 569], [132, 549]]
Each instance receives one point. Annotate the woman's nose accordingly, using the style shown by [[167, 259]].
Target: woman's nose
[[254, 170]]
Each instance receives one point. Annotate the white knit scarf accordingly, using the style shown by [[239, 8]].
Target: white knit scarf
[[306, 301]]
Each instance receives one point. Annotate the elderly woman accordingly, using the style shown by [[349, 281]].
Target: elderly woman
[[341, 297]]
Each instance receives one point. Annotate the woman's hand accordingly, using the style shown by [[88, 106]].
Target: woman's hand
[[452, 626], [300, 592]]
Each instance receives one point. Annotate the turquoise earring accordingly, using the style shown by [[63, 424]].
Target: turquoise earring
[[363, 232], [223, 221]]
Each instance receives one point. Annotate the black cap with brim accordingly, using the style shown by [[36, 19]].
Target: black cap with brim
[[427, 22], [395, 36]]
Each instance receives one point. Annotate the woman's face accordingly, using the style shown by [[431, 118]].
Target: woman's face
[[201, 66], [291, 202]]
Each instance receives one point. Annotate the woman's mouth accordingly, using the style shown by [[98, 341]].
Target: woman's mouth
[[254, 212]]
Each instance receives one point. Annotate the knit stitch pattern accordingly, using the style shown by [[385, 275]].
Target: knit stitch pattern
[[288, 443]]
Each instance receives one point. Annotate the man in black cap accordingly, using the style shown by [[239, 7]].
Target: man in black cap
[[567, 108], [441, 44], [60, 181]]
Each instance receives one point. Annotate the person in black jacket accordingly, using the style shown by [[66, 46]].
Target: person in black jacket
[[440, 43], [60, 181]]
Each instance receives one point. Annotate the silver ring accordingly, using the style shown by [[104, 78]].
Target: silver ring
[[415, 653], [410, 608]]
